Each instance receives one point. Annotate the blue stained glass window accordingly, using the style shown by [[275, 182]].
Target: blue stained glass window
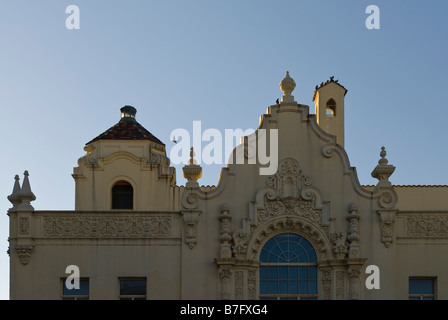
[[288, 268]]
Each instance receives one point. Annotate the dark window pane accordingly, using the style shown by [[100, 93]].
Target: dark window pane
[[283, 287], [303, 273], [263, 273], [263, 287], [273, 273], [132, 287], [312, 287], [303, 287], [82, 291], [264, 255], [122, 196], [421, 286], [312, 273], [283, 273], [312, 256], [428, 298], [293, 287], [293, 273], [272, 288], [414, 298]]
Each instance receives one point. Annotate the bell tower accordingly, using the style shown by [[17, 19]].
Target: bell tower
[[329, 101]]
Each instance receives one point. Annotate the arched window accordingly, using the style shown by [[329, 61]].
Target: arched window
[[331, 108], [122, 195], [288, 269]]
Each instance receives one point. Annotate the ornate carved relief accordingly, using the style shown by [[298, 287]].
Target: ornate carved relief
[[239, 285], [326, 285], [387, 219], [241, 242], [353, 229], [288, 203], [224, 276], [354, 275], [339, 247], [427, 226], [340, 288], [251, 285], [24, 225], [191, 219], [225, 237], [289, 180], [107, 227], [24, 252], [290, 207]]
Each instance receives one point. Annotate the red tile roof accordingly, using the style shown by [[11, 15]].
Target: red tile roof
[[413, 186], [127, 130]]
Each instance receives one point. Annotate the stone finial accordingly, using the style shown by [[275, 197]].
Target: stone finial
[[383, 160], [287, 85], [383, 170], [26, 195], [192, 171], [192, 155], [14, 197]]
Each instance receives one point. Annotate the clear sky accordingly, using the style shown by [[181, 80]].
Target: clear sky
[[219, 62]]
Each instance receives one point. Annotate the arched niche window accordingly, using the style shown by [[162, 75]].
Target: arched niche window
[[288, 269], [331, 108], [122, 195]]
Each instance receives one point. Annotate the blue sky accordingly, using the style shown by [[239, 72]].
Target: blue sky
[[219, 62]]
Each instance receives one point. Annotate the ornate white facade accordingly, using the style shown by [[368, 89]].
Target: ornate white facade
[[192, 242]]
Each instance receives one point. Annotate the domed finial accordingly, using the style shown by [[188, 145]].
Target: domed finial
[[287, 84], [383, 160], [128, 113]]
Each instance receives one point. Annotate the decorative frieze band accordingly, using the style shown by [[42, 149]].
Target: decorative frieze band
[[107, 227], [427, 226]]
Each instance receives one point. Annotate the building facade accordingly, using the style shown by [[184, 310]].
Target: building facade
[[307, 230]]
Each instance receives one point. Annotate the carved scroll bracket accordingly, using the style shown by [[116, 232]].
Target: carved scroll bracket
[[191, 219], [387, 220]]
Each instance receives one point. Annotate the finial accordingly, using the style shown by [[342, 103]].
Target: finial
[[383, 170], [26, 195], [192, 160], [14, 197], [192, 172], [128, 113], [287, 84], [383, 160]]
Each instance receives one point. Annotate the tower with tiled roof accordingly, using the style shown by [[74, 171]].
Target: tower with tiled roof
[[125, 168], [329, 102]]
